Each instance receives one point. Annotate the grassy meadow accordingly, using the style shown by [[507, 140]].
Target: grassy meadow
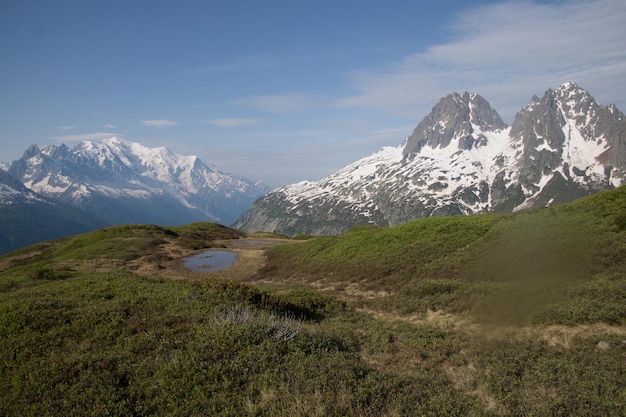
[[490, 315]]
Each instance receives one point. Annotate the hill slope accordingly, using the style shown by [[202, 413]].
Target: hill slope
[[499, 314], [531, 264]]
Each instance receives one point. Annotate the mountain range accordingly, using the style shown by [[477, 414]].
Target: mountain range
[[70, 190], [462, 159], [27, 217], [125, 182]]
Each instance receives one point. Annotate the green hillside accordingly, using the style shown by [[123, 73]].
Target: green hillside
[[560, 265], [521, 314]]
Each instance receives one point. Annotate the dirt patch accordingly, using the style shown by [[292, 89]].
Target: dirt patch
[[165, 260], [25, 256]]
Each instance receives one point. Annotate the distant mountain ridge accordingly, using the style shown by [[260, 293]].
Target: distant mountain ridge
[[125, 182], [27, 217], [462, 159]]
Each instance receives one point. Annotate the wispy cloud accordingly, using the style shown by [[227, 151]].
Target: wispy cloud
[[159, 123], [68, 127], [95, 136], [282, 103], [234, 122], [507, 52], [108, 126]]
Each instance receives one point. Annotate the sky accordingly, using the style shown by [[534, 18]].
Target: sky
[[286, 90]]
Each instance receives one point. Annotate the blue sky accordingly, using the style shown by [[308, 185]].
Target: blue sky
[[285, 91]]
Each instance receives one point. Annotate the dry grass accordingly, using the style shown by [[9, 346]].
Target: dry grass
[[554, 335]]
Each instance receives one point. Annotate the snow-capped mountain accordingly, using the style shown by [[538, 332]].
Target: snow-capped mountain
[[27, 217], [13, 192], [462, 159], [125, 182]]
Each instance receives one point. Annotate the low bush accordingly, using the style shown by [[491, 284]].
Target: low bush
[[479, 316]]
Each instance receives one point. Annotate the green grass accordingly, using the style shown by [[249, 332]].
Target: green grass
[[74, 341], [373, 256], [116, 246], [561, 265], [119, 344]]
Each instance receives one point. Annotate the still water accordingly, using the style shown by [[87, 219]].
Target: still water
[[211, 260]]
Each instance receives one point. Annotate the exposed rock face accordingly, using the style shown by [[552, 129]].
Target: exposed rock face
[[462, 159], [567, 145], [460, 118]]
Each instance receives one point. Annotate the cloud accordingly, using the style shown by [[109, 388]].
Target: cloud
[[96, 136], [507, 52], [108, 126], [234, 122], [282, 103], [69, 127], [159, 123]]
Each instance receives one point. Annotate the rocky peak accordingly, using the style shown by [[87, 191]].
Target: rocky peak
[[547, 124], [570, 91], [460, 118], [539, 123], [568, 132], [32, 150], [577, 104], [19, 167], [57, 152]]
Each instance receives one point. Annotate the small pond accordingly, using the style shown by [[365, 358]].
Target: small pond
[[211, 260]]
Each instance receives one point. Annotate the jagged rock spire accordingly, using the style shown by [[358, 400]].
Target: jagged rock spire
[[461, 117]]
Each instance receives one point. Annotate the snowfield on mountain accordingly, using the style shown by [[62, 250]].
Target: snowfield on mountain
[[462, 159], [125, 182]]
